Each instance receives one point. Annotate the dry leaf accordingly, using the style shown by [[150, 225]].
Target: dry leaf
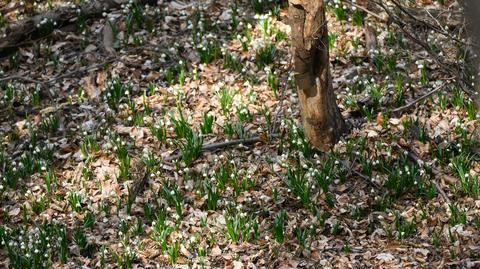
[[90, 87], [216, 251]]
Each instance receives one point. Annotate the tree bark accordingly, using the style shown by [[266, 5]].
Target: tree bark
[[322, 120], [472, 19]]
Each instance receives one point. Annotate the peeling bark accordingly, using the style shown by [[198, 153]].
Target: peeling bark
[[322, 120]]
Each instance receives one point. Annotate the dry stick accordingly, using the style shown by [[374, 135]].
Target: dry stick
[[226, 144], [66, 75], [435, 171], [139, 186], [439, 29], [391, 16], [362, 176], [19, 31], [460, 72], [421, 98], [45, 83], [446, 66], [367, 11], [18, 77]]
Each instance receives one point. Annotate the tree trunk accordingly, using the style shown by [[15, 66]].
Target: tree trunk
[[322, 121], [472, 19]]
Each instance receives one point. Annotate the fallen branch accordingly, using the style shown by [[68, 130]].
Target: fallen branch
[[140, 185], [435, 171], [366, 10], [421, 98], [430, 17], [226, 144], [245, 142], [450, 69], [362, 176], [35, 27]]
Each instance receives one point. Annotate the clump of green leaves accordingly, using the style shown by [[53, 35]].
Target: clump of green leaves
[[172, 194], [226, 96], [161, 230], [159, 131], [457, 215], [240, 226], [206, 127], [124, 159], [278, 228], [75, 201], [116, 91], [190, 143], [50, 124], [258, 5], [37, 247], [209, 51], [272, 81], [404, 227], [299, 185], [265, 55]]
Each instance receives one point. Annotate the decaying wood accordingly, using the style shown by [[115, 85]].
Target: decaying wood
[[322, 121], [31, 29]]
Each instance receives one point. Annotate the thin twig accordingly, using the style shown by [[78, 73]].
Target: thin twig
[[69, 74], [357, 173], [435, 171], [44, 84], [373, 14], [225, 144], [248, 141], [421, 98], [447, 68], [140, 185], [438, 29], [18, 77], [52, 80]]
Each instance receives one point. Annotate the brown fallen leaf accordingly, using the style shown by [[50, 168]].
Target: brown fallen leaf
[[91, 89], [101, 78], [216, 251], [380, 118], [153, 75]]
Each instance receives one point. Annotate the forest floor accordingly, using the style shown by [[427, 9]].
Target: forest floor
[[102, 125]]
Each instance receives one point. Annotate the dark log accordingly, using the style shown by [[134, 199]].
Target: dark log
[[25, 31]]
